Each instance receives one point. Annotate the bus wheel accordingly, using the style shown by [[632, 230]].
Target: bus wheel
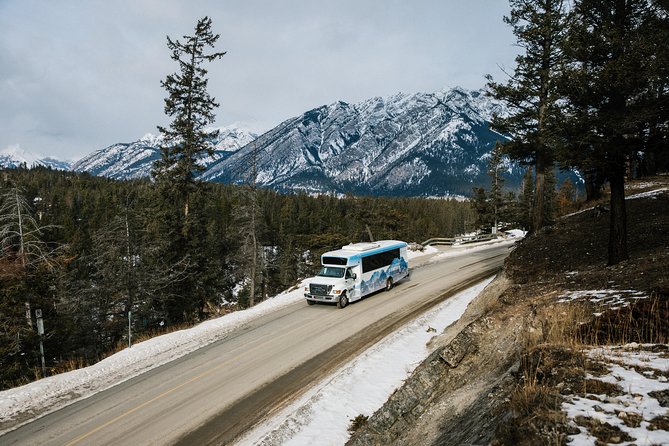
[[311, 302], [389, 284], [343, 301]]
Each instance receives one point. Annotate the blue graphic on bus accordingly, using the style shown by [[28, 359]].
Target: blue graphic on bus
[[379, 278]]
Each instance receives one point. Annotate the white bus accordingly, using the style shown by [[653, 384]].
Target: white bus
[[356, 270]]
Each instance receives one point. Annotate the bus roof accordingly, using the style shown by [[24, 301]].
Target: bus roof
[[364, 249]]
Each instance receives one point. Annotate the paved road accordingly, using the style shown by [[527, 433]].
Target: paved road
[[212, 395]]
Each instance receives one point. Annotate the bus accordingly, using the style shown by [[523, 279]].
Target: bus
[[356, 270]]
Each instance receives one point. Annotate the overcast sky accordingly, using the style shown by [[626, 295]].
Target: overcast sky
[[77, 76]]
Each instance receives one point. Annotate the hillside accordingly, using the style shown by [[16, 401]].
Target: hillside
[[536, 358]]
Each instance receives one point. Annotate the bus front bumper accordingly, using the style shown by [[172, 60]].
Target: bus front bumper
[[332, 298]]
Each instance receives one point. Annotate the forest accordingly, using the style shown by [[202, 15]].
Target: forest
[[87, 250]]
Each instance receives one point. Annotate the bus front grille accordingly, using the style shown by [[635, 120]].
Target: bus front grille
[[319, 290]]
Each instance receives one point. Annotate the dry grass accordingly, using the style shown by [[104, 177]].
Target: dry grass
[[357, 422], [645, 321], [604, 432], [553, 363], [145, 336]]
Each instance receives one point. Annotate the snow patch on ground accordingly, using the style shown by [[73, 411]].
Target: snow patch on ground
[[59, 390], [322, 416], [639, 372], [610, 298], [650, 194]]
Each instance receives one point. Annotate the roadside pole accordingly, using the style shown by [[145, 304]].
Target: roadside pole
[[129, 328], [40, 332]]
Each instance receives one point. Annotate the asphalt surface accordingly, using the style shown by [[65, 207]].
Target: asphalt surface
[[218, 392]]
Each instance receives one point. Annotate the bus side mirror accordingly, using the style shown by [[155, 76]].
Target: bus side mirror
[[354, 276]]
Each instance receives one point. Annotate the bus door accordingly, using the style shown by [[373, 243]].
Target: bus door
[[352, 278]]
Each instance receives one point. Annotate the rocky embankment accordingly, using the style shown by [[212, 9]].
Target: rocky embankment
[[466, 391]]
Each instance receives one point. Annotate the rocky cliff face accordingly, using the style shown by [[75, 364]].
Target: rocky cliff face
[[457, 395]]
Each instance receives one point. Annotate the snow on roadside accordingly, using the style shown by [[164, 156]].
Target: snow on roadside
[[60, 390], [322, 416], [453, 251], [640, 373]]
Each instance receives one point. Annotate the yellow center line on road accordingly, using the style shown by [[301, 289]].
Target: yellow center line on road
[[167, 392], [144, 404]]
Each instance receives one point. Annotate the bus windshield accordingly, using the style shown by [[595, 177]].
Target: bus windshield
[[331, 271]]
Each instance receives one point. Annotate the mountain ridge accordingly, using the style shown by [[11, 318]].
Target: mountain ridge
[[406, 144], [133, 160]]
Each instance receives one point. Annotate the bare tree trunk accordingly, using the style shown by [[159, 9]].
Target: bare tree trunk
[[254, 269], [618, 225], [539, 194], [254, 227], [593, 187]]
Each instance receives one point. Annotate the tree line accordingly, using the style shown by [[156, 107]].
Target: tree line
[[590, 91], [87, 250]]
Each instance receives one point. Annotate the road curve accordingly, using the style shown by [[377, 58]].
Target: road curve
[[216, 393]]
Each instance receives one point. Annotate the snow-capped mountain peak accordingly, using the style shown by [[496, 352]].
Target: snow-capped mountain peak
[[15, 156], [404, 144], [19, 155], [135, 159], [429, 144]]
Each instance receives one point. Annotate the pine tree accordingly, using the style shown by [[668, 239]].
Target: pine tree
[[191, 107], [27, 263], [609, 89], [496, 183], [531, 92], [178, 225], [525, 204], [248, 217], [21, 235], [550, 195], [484, 213]]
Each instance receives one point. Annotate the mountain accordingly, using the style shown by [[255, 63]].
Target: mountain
[[426, 144], [422, 144], [15, 156], [133, 160]]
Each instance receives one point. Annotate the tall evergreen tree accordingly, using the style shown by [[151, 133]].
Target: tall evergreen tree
[[191, 107], [531, 92], [178, 222], [248, 217], [525, 204], [496, 182], [484, 213], [609, 91]]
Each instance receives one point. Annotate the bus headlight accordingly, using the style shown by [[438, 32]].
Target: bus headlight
[[337, 291]]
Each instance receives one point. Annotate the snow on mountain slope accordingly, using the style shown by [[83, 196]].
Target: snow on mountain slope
[[16, 156], [134, 160], [422, 144], [406, 144]]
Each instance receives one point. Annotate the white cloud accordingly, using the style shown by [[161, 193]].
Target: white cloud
[[78, 76]]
